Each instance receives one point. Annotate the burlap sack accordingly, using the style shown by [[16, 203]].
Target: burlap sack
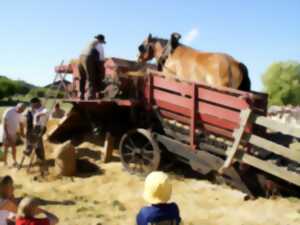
[[65, 159]]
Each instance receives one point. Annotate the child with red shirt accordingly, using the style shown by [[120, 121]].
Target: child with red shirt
[[27, 211]]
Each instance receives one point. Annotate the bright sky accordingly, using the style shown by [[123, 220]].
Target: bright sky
[[36, 35]]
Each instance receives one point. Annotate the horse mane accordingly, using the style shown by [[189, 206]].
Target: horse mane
[[162, 41]]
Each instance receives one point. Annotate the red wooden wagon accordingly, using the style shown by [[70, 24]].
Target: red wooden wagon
[[219, 132]]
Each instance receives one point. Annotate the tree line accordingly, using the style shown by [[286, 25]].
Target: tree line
[[10, 88]]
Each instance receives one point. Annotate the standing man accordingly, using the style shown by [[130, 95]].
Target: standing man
[[12, 123], [91, 65]]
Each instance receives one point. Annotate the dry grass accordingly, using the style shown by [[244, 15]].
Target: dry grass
[[114, 197]]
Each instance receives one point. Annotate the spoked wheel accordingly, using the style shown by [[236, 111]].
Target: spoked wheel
[[139, 152]]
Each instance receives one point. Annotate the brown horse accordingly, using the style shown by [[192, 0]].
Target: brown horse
[[185, 63]]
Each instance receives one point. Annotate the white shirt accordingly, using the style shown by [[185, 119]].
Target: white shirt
[[4, 215], [40, 117], [12, 119], [95, 44], [100, 49]]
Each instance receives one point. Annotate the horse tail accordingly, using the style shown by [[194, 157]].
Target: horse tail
[[246, 82]]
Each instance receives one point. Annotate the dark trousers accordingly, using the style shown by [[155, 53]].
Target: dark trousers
[[35, 142], [89, 70]]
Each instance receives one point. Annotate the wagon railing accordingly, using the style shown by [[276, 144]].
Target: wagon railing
[[237, 117], [270, 167]]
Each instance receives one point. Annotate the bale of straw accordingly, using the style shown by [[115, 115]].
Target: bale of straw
[[65, 159]]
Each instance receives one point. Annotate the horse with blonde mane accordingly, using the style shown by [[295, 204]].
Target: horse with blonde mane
[[176, 60]]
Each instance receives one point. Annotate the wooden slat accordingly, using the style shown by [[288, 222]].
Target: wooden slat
[[277, 126], [273, 147], [227, 90], [245, 115], [203, 118], [270, 168], [172, 85], [174, 116], [204, 93], [222, 99], [220, 112], [174, 102], [193, 116], [222, 123], [207, 127]]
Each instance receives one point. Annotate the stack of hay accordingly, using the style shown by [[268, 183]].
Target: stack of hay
[[65, 159]]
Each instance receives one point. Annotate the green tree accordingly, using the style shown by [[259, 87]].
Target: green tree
[[282, 83], [7, 88]]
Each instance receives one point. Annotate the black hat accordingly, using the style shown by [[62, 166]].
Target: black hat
[[101, 38], [35, 100]]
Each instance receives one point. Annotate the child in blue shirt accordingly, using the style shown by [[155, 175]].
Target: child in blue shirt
[[157, 192]]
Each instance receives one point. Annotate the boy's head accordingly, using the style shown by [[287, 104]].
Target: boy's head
[[27, 207], [6, 187], [35, 103], [158, 188]]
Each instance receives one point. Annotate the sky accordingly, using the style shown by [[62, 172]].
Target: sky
[[35, 35]]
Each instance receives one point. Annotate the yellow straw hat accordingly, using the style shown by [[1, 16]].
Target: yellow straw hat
[[157, 188]]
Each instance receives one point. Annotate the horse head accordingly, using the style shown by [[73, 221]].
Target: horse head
[[146, 49], [153, 47]]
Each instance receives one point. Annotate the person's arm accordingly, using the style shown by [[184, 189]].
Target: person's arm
[[140, 220], [22, 133], [6, 129], [50, 216]]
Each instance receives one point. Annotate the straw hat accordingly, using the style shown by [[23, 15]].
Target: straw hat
[[157, 188], [26, 207]]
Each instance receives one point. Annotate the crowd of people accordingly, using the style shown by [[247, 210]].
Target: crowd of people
[[35, 120], [28, 211]]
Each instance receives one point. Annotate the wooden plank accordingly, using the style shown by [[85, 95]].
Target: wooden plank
[[177, 136], [219, 112], [174, 102], [270, 168], [193, 116], [277, 126], [216, 129], [167, 111], [226, 90], [172, 85], [273, 147], [222, 99], [204, 93], [245, 115], [107, 148]]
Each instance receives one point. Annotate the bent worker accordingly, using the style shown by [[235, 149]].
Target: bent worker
[[91, 66], [36, 127], [12, 122], [57, 112], [157, 192]]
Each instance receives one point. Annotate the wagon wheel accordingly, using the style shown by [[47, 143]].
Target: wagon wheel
[[139, 152]]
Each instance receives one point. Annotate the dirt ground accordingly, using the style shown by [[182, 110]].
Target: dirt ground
[[113, 197]]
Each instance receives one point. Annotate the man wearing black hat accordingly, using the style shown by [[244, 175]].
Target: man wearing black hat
[[91, 66]]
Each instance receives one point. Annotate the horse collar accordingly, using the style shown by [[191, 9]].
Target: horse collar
[[164, 56]]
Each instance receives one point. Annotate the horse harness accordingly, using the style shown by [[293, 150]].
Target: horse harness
[[168, 50]]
